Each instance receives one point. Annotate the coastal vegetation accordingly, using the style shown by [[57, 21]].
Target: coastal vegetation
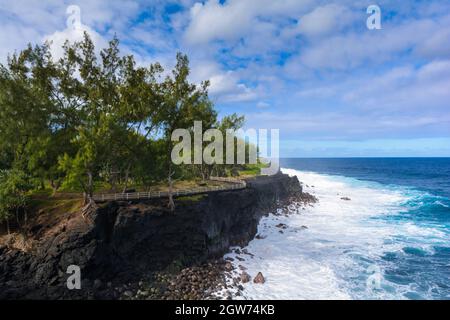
[[94, 121]]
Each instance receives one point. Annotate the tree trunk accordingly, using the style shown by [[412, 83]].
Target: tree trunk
[[7, 226], [113, 179], [127, 173], [89, 190], [55, 185], [90, 185], [18, 218], [171, 202], [202, 172]]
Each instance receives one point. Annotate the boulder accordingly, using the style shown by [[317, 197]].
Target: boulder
[[259, 278], [228, 266], [245, 277]]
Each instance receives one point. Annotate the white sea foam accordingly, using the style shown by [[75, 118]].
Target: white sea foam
[[341, 247], [441, 204]]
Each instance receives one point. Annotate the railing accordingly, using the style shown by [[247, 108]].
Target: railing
[[232, 184]]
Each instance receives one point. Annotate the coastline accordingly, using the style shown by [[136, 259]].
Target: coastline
[[124, 246], [362, 240], [356, 225]]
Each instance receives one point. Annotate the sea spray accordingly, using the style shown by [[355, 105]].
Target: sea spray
[[334, 249]]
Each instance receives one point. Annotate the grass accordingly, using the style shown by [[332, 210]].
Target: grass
[[46, 206], [193, 198], [55, 206], [251, 170], [70, 201], [43, 209], [162, 186]]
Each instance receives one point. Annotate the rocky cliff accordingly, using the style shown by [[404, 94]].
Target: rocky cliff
[[121, 241]]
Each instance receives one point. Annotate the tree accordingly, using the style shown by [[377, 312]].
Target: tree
[[232, 122], [14, 185], [136, 113], [31, 94], [183, 103], [25, 111], [95, 117]]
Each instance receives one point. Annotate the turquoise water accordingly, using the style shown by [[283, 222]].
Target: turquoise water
[[415, 253]]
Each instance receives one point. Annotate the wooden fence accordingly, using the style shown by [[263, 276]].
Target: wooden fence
[[232, 184]]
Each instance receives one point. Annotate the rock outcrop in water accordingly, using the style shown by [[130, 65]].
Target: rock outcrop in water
[[122, 241]]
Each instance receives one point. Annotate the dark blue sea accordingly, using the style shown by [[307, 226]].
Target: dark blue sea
[[391, 240]]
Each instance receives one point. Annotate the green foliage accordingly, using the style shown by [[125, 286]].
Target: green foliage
[[14, 185], [252, 169], [94, 119]]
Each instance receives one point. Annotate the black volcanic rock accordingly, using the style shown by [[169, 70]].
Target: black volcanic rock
[[124, 241]]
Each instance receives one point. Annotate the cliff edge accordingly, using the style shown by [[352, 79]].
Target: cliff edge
[[122, 241]]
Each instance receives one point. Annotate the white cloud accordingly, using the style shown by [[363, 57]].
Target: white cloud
[[24, 22], [324, 73], [424, 89], [436, 44], [74, 32], [212, 20], [343, 125], [225, 86], [262, 105], [13, 38], [236, 18], [326, 19], [424, 37]]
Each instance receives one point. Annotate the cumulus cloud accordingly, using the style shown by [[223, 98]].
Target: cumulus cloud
[[324, 20], [406, 88], [234, 19], [225, 86], [74, 32], [315, 62], [24, 22], [423, 37], [209, 21]]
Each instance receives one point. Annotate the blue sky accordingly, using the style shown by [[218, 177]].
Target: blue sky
[[309, 68]]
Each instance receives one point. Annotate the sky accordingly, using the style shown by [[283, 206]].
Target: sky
[[311, 69]]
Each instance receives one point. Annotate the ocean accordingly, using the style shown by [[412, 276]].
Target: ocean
[[391, 240]]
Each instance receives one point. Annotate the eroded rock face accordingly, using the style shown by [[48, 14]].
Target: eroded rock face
[[121, 241]]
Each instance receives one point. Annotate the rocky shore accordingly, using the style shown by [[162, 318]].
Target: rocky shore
[[140, 250]]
